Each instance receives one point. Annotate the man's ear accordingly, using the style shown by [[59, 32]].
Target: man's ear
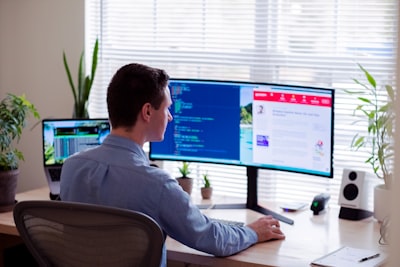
[[146, 111]]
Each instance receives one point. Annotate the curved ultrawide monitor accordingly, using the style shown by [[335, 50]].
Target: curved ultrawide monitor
[[270, 126]]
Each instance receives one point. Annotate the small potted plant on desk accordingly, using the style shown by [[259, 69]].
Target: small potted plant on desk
[[185, 181], [206, 190], [13, 116], [378, 137]]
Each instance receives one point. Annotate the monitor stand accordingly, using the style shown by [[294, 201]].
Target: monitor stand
[[252, 199]]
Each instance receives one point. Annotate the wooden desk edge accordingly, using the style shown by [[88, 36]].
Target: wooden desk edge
[[8, 230]]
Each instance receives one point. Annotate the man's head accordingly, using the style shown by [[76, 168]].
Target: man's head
[[133, 86]]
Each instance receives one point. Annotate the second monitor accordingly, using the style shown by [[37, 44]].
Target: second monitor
[[255, 125]]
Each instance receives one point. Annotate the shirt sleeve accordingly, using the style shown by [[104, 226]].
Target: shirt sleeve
[[184, 222]]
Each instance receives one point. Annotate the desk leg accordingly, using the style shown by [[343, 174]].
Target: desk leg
[[7, 241]]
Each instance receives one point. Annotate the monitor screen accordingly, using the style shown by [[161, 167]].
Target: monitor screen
[[270, 126], [64, 137]]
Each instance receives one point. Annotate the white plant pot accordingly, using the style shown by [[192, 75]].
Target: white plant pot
[[382, 202]]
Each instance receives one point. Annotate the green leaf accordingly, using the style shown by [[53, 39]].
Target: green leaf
[[71, 83], [94, 61], [81, 78], [359, 142], [370, 79], [366, 100], [390, 92]]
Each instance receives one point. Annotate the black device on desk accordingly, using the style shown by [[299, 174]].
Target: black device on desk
[[319, 203]]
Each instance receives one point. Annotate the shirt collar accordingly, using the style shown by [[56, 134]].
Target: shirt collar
[[125, 143]]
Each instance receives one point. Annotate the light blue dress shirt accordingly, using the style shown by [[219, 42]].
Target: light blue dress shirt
[[118, 174]]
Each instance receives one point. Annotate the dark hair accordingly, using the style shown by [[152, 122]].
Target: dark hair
[[132, 86]]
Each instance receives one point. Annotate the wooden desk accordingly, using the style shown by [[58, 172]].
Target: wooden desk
[[309, 238]]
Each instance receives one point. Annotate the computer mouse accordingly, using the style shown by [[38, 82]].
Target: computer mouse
[[319, 203]]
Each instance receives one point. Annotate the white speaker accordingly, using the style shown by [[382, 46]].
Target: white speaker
[[353, 195]]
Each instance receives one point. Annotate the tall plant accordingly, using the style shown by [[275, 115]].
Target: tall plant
[[379, 135], [81, 90]]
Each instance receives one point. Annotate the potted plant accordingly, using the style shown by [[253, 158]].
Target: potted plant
[[185, 181], [81, 91], [378, 137], [14, 111], [206, 190]]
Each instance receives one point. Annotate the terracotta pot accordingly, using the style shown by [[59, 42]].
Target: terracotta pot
[[206, 192], [186, 184], [8, 189], [382, 200]]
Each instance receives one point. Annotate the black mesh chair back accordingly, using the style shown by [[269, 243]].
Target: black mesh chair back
[[72, 234]]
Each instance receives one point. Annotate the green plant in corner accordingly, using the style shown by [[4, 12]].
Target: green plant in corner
[[81, 90], [13, 115], [379, 135]]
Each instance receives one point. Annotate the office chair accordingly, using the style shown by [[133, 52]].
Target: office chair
[[72, 234]]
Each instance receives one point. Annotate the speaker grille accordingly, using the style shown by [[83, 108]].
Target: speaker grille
[[350, 191]]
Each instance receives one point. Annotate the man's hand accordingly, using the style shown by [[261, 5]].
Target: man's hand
[[267, 228]]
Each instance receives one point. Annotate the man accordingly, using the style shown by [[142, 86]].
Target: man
[[118, 173]]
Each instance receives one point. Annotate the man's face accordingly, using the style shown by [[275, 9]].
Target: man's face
[[160, 118]]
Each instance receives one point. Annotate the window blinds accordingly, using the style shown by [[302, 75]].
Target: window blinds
[[306, 42]]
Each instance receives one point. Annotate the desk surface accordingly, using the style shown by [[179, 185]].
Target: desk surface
[[309, 238]]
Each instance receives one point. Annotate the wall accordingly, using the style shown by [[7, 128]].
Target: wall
[[33, 35]]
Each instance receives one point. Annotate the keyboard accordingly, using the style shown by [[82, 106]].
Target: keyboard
[[228, 222]]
